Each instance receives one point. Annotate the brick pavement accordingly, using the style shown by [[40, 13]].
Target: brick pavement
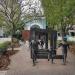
[[21, 64]]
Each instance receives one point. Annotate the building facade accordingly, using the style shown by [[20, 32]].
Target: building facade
[[34, 23]]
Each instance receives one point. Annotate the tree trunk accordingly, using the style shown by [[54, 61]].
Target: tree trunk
[[12, 39], [12, 43], [63, 29]]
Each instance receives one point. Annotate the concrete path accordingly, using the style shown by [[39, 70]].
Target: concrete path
[[21, 64]]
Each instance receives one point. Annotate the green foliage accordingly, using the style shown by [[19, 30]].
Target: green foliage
[[51, 11], [4, 46], [57, 11], [10, 14]]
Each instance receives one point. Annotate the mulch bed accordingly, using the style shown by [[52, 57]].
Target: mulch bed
[[10, 52], [5, 59], [4, 62], [72, 49]]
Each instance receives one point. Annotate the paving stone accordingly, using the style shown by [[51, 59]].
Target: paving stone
[[21, 64]]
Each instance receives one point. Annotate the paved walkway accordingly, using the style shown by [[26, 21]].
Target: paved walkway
[[21, 64]]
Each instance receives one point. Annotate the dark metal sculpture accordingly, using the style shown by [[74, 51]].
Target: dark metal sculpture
[[43, 53], [53, 40]]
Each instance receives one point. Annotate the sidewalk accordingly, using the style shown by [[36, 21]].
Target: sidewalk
[[21, 64]]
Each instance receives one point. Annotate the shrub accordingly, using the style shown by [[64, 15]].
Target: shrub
[[4, 46]]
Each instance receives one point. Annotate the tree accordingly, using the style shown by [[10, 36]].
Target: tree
[[10, 13], [59, 13]]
